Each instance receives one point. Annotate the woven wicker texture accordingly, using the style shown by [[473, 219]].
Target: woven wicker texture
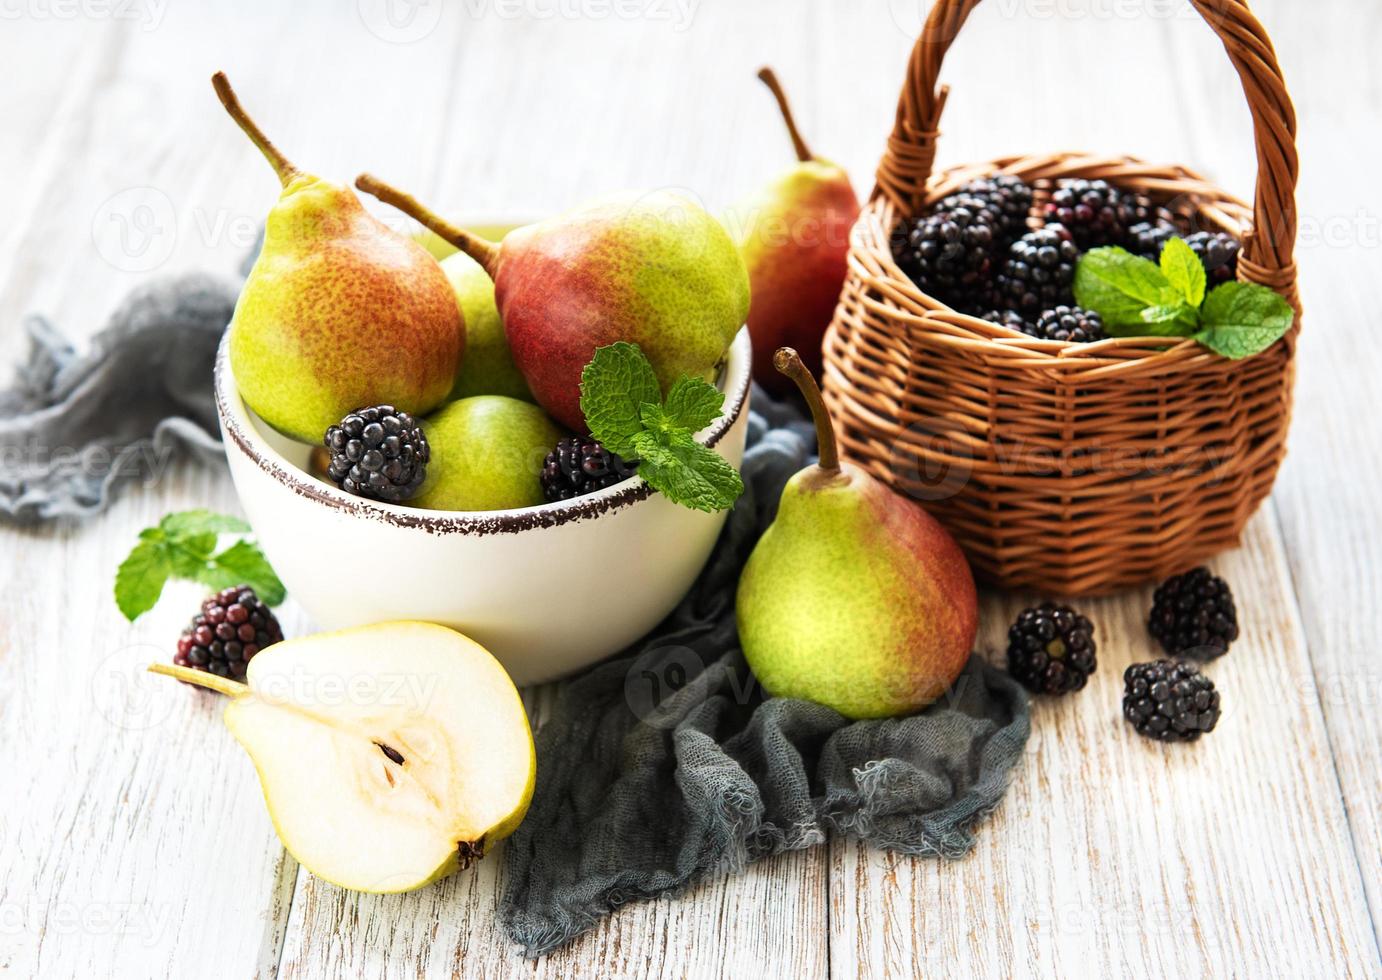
[[1074, 469]]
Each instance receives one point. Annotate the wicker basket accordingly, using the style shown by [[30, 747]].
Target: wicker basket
[[1074, 469]]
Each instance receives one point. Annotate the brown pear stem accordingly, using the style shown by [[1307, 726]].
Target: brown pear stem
[[482, 250], [201, 678], [788, 362], [766, 76], [287, 173]]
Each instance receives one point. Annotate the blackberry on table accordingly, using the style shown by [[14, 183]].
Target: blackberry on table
[[378, 452], [1051, 649], [1074, 324], [950, 252], [233, 626], [1193, 615], [1096, 212], [578, 466], [1170, 701], [1038, 272]]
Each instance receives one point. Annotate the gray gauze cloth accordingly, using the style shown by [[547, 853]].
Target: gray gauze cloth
[[666, 765], [76, 426]]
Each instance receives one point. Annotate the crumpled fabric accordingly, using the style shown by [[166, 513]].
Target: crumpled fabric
[[76, 427]]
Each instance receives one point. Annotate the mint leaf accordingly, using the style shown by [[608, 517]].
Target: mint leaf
[[188, 522], [615, 386], [243, 564], [140, 578], [1119, 286], [1184, 271], [1171, 320], [1242, 319], [182, 547], [683, 470], [693, 403]]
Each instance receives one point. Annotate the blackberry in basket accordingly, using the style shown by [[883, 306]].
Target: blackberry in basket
[[950, 252], [1038, 271], [1007, 196], [1010, 319], [1096, 212], [1073, 324], [1218, 251]]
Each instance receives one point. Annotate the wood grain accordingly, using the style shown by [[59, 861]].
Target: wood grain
[[141, 847]]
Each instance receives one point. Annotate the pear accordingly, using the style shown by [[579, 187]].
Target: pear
[[339, 312], [487, 452], [794, 235], [389, 755], [487, 368], [854, 597], [652, 269]]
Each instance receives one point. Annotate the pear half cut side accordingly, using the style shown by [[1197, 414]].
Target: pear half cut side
[[389, 755]]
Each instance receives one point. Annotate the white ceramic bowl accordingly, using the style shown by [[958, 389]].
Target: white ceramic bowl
[[547, 589]]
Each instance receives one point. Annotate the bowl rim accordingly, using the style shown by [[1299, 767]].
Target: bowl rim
[[240, 431]]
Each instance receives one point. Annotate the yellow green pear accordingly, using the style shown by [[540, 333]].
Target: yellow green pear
[[338, 312], [389, 755], [486, 454], [487, 368]]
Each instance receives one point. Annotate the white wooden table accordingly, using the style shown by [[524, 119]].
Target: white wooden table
[[133, 838]]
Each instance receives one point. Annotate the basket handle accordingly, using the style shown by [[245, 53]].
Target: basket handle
[[1267, 254]]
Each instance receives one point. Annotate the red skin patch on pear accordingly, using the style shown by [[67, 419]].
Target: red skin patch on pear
[[935, 648], [797, 273]]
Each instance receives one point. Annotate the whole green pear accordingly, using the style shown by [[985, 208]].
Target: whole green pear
[[487, 368], [338, 312], [487, 452], [653, 269], [854, 597]]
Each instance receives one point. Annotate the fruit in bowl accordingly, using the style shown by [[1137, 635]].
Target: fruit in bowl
[[339, 311], [516, 580]]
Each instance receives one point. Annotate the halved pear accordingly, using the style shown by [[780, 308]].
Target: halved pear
[[389, 755]]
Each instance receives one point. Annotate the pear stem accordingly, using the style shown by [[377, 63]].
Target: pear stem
[[768, 78], [287, 173], [201, 678], [788, 362], [482, 250]]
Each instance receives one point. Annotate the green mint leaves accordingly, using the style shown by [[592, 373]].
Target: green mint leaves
[[1138, 298], [625, 410], [183, 545]]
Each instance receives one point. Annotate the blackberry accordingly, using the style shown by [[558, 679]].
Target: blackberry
[[950, 253], [579, 466], [1096, 212], [1169, 701], [1218, 252], [232, 627], [1051, 649], [1193, 615], [1070, 323], [1038, 272], [378, 453], [1007, 196], [1147, 238], [1010, 319]]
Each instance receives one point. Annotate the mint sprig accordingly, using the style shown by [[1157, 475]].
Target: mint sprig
[[626, 412], [1139, 298], [183, 546]]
